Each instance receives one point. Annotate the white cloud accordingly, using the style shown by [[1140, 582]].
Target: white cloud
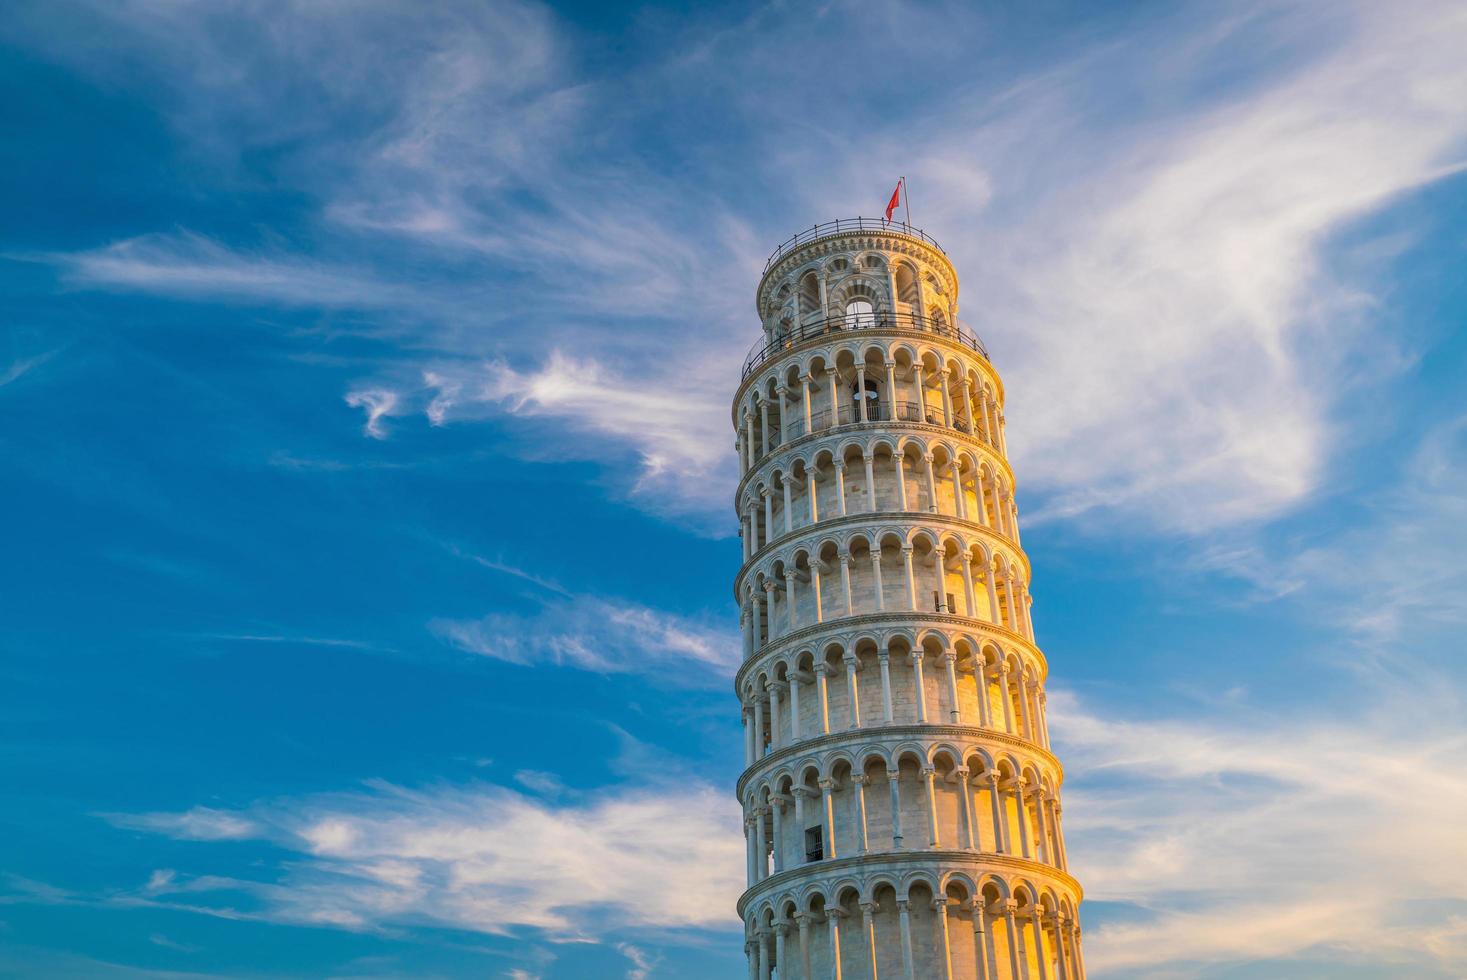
[[378, 403], [194, 267], [605, 635], [493, 860], [1266, 836], [1160, 294], [199, 823]]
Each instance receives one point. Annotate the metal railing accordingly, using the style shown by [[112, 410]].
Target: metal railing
[[860, 323], [848, 224], [878, 411]]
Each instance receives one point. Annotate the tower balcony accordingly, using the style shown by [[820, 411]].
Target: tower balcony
[[846, 226], [815, 326]]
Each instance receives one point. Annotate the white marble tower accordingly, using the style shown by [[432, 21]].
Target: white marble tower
[[900, 800]]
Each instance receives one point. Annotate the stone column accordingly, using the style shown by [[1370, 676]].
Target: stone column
[[852, 691], [749, 867], [870, 460], [945, 948], [884, 659], [784, 484], [1000, 824], [817, 594], [949, 661], [929, 777], [876, 576], [812, 495], [781, 932], [1008, 697], [840, 487], [783, 394], [911, 577], [947, 402], [980, 677], [1045, 849], [960, 505], [1017, 786], [970, 605], [802, 919], [832, 917], [764, 424], [981, 486], [868, 926], [863, 838], [749, 755], [893, 778], [908, 966], [980, 940], [761, 846], [965, 795], [931, 484], [805, 400], [776, 846], [794, 706], [1008, 598], [845, 581], [822, 689], [1061, 968], [939, 573], [1024, 719], [759, 620], [834, 397], [764, 971], [861, 392], [891, 387], [920, 687], [1040, 955], [774, 739], [988, 577], [1059, 837], [918, 392], [759, 701], [789, 597], [1013, 936], [1043, 702], [899, 460], [827, 799]]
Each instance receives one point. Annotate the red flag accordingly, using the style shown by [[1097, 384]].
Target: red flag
[[896, 199]]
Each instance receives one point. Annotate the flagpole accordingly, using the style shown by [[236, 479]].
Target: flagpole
[[907, 201]]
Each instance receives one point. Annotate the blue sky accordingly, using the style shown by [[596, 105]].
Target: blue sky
[[363, 401]]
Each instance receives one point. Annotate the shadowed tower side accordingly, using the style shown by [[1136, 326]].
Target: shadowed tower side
[[901, 803]]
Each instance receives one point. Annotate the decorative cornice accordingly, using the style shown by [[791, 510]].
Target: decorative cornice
[[915, 518], [854, 624], [939, 861], [930, 732]]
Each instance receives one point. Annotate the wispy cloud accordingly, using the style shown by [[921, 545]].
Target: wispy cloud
[[486, 858], [191, 266], [21, 366], [602, 634], [199, 823], [1177, 341], [1263, 836]]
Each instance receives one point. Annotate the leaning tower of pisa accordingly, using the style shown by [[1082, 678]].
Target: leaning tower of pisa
[[901, 803]]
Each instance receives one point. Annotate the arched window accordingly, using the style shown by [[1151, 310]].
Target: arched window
[[860, 315], [809, 293]]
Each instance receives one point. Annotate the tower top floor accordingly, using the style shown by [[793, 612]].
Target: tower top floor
[[856, 274], [854, 247]]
